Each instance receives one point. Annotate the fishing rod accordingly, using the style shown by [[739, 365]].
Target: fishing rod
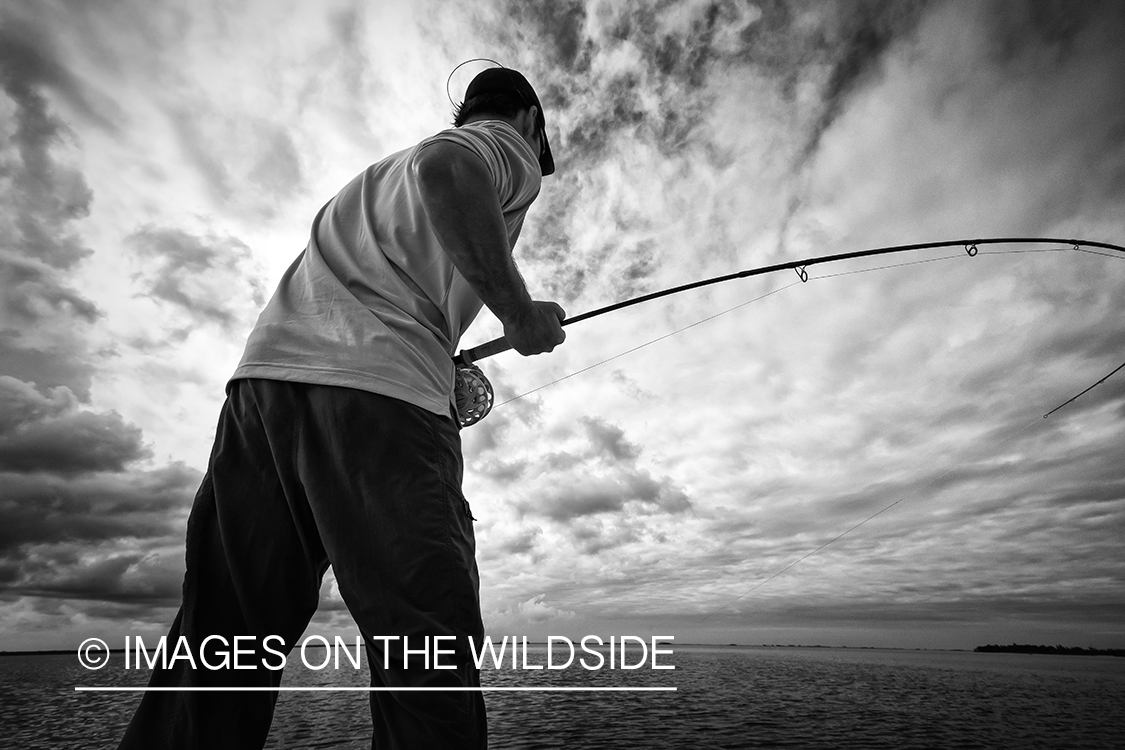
[[473, 392]]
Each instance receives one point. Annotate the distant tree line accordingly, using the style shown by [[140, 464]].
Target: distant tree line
[[1025, 648]]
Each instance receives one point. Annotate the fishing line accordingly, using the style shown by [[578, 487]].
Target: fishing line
[[704, 320], [756, 299], [949, 257], [449, 80], [647, 343], [1094, 252], [1095, 385], [882, 268], [916, 492], [909, 496]]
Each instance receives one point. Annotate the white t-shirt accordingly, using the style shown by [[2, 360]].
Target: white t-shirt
[[373, 302]]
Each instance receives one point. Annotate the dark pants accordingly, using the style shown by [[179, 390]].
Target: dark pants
[[303, 477]]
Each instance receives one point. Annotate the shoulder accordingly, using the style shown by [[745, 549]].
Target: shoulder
[[509, 159], [491, 139], [494, 132]]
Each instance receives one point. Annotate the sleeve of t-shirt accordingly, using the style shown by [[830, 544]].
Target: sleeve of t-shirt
[[509, 175]]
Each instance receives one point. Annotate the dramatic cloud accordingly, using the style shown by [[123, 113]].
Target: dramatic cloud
[[96, 507], [205, 279], [41, 198], [595, 472], [527, 616], [111, 539], [50, 433], [646, 101], [102, 575], [80, 514]]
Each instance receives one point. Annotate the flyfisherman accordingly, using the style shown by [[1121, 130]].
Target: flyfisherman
[[337, 445]]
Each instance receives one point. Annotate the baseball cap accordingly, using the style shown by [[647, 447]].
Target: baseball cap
[[506, 80]]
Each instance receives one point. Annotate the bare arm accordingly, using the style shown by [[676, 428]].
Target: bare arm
[[464, 211]]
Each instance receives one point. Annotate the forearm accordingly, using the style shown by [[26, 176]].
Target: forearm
[[464, 212]]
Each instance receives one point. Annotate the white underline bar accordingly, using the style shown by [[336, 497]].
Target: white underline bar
[[86, 689]]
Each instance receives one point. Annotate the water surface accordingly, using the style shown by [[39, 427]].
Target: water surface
[[727, 697]]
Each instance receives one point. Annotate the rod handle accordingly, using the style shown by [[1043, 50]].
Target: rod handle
[[487, 349]]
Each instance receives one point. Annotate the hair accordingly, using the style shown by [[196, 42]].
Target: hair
[[503, 104]]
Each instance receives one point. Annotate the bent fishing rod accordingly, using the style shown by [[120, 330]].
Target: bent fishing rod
[[473, 392]]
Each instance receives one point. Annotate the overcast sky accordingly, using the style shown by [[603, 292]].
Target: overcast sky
[[161, 162]]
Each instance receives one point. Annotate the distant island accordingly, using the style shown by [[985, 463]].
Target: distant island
[[1024, 648]]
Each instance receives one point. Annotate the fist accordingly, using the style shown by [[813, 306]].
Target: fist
[[537, 330]]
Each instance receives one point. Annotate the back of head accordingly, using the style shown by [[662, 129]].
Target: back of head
[[505, 92], [491, 103]]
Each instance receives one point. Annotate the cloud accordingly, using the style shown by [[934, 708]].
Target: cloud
[[278, 170], [559, 24], [1030, 136], [244, 160], [210, 280], [49, 433], [597, 471], [73, 501], [42, 196], [98, 573], [986, 611], [609, 493], [610, 440], [41, 199], [90, 508], [525, 617], [863, 33], [42, 325], [522, 539], [32, 56], [109, 537]]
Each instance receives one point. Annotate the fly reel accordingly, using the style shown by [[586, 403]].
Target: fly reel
[[472, 394]]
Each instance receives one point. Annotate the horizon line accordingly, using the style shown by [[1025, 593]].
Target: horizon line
[[293, 689]]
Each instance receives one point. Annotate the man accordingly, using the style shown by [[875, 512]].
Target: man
[[337, 444]]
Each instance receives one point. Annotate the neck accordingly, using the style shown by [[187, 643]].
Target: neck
[[523, 123], [480, 117]]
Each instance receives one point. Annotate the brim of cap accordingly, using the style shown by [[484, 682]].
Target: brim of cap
[[506, 79], [546, 160]]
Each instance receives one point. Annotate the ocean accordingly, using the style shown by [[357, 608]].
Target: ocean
[[726, 697]]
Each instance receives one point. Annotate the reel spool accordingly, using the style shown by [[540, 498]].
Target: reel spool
[[472, 393]]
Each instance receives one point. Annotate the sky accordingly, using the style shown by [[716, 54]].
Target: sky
[[692, 470]]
